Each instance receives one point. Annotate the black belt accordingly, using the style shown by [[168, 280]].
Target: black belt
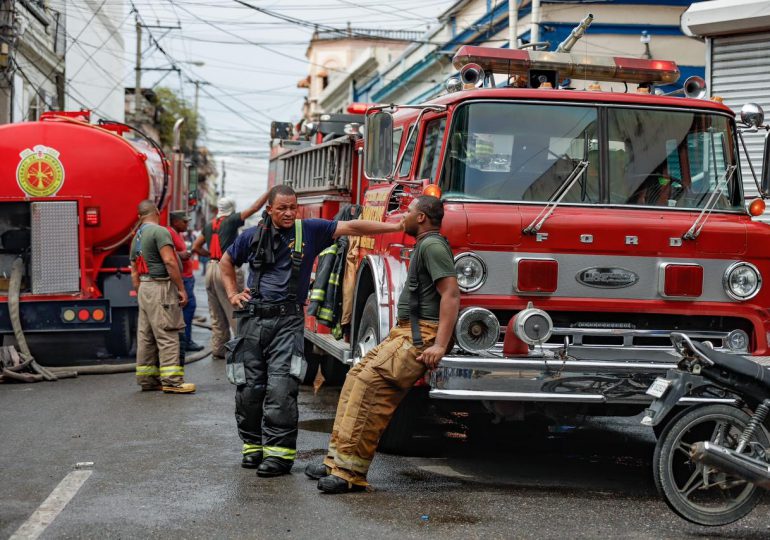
[[268, 310]]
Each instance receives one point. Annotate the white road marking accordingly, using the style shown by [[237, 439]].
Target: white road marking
[[52, 506]]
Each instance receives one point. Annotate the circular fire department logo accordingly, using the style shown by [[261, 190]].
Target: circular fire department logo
[[40, 173]]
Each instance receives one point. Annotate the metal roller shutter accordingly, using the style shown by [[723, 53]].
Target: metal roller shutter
[[740, 74]]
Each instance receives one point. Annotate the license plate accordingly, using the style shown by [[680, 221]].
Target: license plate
[[658, 387]]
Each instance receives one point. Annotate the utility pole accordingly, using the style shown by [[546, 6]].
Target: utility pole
[[138, 78], [513, 24], [224, 175]]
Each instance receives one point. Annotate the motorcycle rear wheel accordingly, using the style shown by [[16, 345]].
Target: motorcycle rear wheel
[[700, 494]]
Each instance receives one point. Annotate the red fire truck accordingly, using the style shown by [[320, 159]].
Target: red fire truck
[[68, 196], [586, 226]]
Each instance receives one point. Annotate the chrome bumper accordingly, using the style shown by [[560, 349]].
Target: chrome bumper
[[589, 375]]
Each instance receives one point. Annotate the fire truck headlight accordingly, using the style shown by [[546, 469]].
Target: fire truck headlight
[[477, 330], [742, 281], [471, 272]]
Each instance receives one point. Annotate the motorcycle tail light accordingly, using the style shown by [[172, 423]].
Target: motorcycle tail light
[[537, 276], [683, 280]]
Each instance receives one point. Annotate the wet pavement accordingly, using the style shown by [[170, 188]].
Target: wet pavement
[[168, 466]]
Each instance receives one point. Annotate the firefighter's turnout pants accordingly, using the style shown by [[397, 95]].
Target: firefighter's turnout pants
[[272, 352], [220, 308], [372, 391], [157, 334]]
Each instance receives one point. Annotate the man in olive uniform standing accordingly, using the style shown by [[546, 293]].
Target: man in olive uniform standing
[[155, 275], [427, 312], [269, 349], [218, 235]]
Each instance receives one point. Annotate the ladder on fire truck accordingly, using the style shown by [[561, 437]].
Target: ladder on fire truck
[[318, 168]]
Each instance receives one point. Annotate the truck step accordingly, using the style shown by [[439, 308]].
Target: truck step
[[336, 348]]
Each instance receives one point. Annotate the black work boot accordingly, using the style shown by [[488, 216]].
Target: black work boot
[[251, 461], [334, 484], [191, 346], [317, 470], [274, 466]]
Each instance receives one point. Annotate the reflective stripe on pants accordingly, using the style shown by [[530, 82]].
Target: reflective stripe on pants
[[372, 391]]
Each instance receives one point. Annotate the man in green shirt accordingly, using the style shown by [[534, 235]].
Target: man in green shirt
[[156, 276], [427, 311], [218, 235]]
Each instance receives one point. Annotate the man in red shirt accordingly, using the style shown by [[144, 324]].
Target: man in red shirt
[[179, 221]]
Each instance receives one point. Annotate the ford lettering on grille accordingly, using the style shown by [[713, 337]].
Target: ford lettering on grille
[[607, 278]]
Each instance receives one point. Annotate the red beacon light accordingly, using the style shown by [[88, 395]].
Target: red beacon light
[[359, 108], [566, 65]]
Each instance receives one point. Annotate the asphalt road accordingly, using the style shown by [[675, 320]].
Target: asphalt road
[[168, 466]]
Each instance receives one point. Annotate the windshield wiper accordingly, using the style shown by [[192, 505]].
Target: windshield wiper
[[700, 221], [558, 195]]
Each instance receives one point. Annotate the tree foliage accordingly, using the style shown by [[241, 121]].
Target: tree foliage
[[172, 107]]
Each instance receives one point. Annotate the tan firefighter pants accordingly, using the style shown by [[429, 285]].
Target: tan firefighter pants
[[220, 308], [372, 391], [157, 335]]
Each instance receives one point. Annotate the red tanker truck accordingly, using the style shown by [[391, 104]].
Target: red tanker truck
[[586, 227], [68, 196]]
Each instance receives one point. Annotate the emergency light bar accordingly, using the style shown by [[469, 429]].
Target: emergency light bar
[[568, 65]]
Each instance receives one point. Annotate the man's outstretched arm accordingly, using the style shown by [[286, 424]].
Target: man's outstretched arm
[[365, 227]]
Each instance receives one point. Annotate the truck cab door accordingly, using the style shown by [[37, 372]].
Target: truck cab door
[[417, 171]]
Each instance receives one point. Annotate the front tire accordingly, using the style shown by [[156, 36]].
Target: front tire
[[698, 493], [367, 330]]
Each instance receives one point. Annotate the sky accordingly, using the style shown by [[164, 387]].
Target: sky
[[252, 62]]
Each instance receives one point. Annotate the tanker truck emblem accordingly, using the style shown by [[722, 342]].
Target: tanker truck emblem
[[40, 173]]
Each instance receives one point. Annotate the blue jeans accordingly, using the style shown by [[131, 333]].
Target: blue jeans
[[189, 310]]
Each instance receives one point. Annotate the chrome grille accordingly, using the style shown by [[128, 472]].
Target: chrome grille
[[55, 250]]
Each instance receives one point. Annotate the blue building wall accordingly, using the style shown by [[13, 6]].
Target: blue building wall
[[379, 87]]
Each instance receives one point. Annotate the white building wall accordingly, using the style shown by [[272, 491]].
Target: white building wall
[[96, 62]]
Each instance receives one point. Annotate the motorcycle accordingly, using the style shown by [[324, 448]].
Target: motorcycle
[[712, 460]]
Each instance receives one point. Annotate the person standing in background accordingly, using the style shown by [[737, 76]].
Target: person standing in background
[[161, 296], [179, 222], [217, 236]]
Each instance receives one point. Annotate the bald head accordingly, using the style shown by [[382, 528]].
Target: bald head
[[147, 210]]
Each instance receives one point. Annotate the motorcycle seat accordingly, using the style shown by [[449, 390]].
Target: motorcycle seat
[[736, 363]]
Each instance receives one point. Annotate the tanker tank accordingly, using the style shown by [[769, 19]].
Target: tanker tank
[[63, 159]]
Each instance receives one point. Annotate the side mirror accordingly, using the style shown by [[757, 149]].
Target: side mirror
[[192, 186], [378, 146], [765, 180], [752, 115]]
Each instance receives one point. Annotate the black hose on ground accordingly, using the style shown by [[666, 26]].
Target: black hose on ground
[[14, 292], [62, 372]]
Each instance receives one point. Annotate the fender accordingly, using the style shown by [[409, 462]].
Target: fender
[[372, 274], [388, 277]]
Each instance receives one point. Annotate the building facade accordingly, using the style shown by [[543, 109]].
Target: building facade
[[340, 59], [32, 47], [620, 28], [94, 63]]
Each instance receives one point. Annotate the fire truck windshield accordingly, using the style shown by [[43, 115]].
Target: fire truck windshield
[[524, 152]]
